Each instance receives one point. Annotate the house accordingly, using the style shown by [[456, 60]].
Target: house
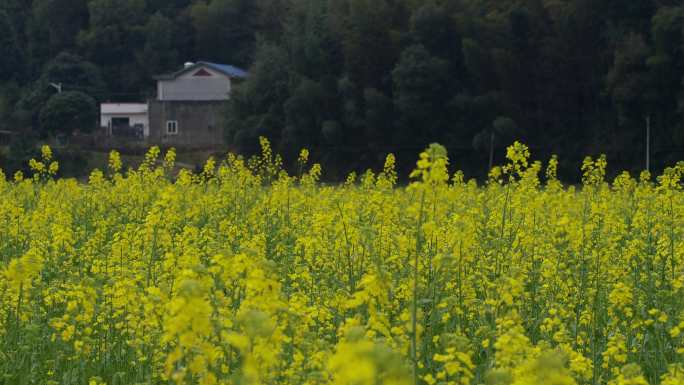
[[128, 120], [190, 104], [187, 113]]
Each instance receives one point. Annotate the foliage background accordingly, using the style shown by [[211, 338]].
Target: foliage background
[[355, 79]]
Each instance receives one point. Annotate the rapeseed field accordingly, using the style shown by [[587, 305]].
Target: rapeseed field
[[244, 274]]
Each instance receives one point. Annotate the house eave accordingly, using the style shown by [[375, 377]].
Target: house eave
[[199, 64]]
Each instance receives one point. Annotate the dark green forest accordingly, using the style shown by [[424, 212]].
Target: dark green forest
[[355, 79]]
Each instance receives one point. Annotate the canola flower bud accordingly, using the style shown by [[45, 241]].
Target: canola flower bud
[[303, 156], [114, 162], [170, 158], [259, 280], [46, 152]]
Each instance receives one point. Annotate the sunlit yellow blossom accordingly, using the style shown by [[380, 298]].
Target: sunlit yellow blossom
[[247, 274]]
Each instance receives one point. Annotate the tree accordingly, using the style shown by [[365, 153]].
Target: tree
[[69, 112], [369, 51], [379, 117], [256, 105], [503, 131], [578, 76], [421, 86], [270, 18], [58, 22], [114, 36], [666, 66], [9, 95], [72, 72], [309, 40], [14, 19], [432, 27], [304, 116], [519, 63], [22, 148], [168, 8], [332, 132], [159, 53], [10, 59], [224, 30], [629, 17], [628, 80]]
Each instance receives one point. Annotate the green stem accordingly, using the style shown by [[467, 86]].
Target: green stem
[[414, 312]]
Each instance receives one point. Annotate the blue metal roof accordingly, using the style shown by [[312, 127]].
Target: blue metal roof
[[226, 69]]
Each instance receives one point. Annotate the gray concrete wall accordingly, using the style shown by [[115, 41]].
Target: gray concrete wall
[[215, 87], [200, 123]]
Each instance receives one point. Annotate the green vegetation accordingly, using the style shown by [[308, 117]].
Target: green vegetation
[[353, 79], [243, 274]]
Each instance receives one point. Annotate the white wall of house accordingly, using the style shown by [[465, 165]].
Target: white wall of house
[[136, 113], [189, 86]]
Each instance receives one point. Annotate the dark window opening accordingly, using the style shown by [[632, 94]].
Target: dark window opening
[[121, 122]]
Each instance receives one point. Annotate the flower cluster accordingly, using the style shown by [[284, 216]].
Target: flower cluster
[[244, 274]]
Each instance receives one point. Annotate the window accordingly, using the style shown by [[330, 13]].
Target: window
[[172, 127], [121, 122], [119, 126]]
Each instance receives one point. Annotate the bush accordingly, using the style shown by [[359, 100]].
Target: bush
[[68, 112]]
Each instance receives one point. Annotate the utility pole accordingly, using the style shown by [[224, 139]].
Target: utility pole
[[648, 143], [57, 86]]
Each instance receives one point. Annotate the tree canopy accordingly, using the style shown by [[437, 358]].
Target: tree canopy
[[354, 79], [67, 112]]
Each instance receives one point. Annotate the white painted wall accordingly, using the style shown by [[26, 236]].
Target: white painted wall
[[137, 113], [201, 88]]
